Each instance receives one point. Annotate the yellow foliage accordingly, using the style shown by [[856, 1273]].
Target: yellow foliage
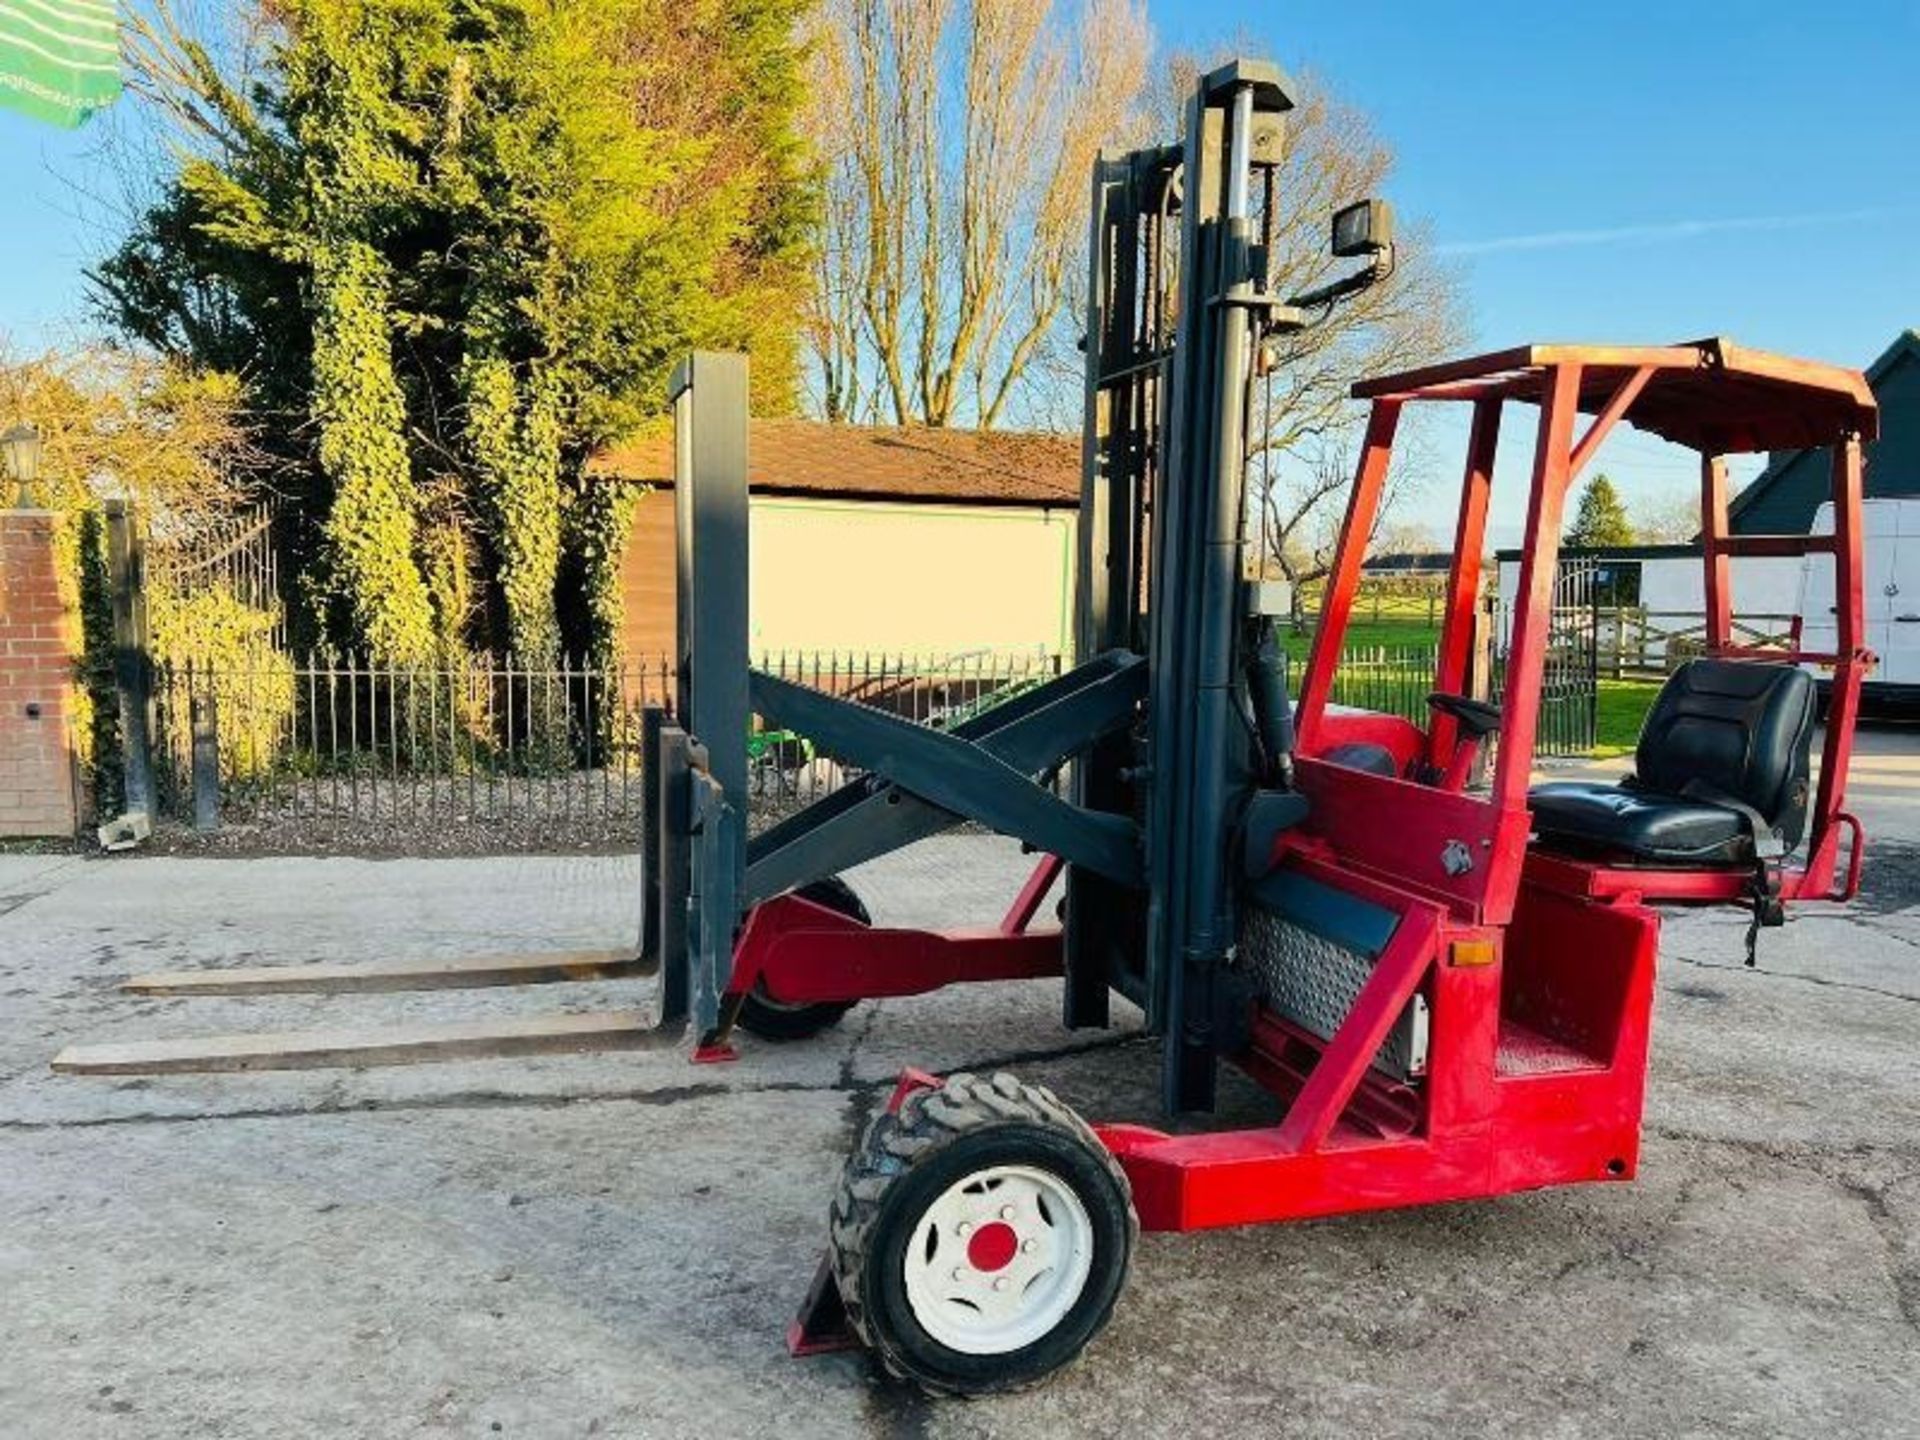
[[209, 642]]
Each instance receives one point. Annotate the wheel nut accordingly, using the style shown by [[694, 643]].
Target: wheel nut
[[1006, 1212], [1027, 1247], [963, 1229], [1002, 1283], [960, 1274]]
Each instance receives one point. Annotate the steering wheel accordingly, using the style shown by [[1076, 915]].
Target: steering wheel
[[1476, 718]]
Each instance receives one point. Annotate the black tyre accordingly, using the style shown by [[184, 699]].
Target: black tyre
[[980, 1236], [771, 1019]]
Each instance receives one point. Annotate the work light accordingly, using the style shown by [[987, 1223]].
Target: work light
[[1365, 228]]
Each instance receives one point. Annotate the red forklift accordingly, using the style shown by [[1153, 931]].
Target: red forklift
[[1442, 970]]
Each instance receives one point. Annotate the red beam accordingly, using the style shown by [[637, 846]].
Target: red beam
[[807, 966], [1396, 974], [1618, 406], [1463, 588], [1550, 1131], [1027, 903], [1343, 581], [1546, 503], [1593, 881], [1713, 543], [803, 953], [1843, 708]]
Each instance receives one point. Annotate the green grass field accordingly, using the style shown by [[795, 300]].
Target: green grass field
[[1623, 706], [1365, 634]]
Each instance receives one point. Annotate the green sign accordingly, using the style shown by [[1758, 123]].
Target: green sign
[[59, 59]]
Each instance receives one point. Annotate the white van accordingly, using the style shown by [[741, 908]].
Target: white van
[[1891, 593]]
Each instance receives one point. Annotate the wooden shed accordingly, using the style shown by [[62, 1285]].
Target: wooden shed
[[876, 539]]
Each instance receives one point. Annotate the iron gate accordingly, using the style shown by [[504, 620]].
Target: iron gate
[[1570, 681]]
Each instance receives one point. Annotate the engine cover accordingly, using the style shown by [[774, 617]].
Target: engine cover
[[1309, 948]]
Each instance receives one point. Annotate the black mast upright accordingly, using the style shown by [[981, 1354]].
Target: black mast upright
[[1201, 764]]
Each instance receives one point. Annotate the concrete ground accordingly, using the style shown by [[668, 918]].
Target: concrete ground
[[612, 1245]]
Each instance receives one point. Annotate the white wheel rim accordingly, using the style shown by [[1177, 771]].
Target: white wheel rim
[[998, 1260]]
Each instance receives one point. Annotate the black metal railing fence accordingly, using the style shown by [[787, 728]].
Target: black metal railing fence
[[488, 741], [491, 741], [1389, 679]]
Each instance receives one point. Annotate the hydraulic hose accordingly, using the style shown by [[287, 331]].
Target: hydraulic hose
[[1272, 710]]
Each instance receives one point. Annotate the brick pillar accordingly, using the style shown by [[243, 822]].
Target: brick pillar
[[36, 682]]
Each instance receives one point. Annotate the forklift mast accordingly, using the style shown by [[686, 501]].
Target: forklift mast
[[1174, 718], [1172, 338]]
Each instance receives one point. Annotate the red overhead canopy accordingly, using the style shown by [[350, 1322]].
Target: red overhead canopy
[[1711, 395]]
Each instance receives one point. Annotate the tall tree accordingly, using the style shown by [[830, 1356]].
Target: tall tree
[[1601, 520], [956, 138], [350, 128], [1305, 417], [467, 239]]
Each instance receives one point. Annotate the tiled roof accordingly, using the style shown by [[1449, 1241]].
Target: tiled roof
[[811, 457]]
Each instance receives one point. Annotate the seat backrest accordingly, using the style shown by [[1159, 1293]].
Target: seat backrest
[[1741, 727]]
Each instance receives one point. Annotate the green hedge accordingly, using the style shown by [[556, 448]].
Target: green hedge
[[208, 638]]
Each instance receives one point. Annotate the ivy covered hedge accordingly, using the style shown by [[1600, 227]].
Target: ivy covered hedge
[[456, 247], [208, 642], [96, 693]]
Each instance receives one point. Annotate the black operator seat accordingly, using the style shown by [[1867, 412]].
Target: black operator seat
[[1720, 773]]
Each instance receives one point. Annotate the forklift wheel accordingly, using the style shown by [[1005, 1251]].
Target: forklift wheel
[[980, 1236], [771, 1019]]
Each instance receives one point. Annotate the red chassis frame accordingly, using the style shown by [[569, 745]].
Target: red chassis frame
[[802, 953], [1537, 969]]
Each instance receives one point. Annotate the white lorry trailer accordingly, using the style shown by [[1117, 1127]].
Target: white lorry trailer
[[1892, 586]]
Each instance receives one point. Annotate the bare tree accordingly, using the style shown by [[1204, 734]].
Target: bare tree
[[956, 137], [194, 62], [122, 424], [1671, 517], [1304, 423]]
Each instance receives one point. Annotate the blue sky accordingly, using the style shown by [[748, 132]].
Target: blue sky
[[1622, 171], [49, 231], [1635, 172]]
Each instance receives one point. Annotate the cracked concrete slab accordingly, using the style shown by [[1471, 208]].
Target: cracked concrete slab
[[612, 1245]]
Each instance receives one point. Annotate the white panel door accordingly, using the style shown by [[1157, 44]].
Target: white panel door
[[1900, 651], [1818, 630]]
